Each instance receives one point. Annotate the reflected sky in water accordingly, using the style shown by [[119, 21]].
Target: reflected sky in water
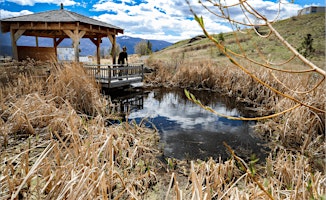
[[188, 131]]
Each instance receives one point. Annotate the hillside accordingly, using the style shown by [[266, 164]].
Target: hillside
[[293, 30]]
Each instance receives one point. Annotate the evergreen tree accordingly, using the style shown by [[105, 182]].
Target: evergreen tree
[[306, 48]]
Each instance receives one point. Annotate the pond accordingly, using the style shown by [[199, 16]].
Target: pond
[[186, 130]]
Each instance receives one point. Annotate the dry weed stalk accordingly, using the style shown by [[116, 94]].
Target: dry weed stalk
[[222, 11], [72, 155], [85, 158], [297, 131]]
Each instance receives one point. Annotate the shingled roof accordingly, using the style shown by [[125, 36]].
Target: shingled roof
[[56, 16]]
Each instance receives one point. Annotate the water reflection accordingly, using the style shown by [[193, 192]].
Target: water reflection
[[188, 131]]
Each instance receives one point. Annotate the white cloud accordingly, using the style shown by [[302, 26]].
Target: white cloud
[[33, 2], [169, 20], [7, 14], [161, 19]]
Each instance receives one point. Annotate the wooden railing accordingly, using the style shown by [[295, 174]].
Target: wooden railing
[[110, 74]]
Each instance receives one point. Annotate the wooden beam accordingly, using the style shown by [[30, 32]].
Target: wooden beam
[[70, 34], [15, 35], [75, 36], [98, 51], [112, 39], [55, 45], [13, 44], [42, 26], [76, 44], [36, 41], [19, 33], [97, 43], [81, 34], [57, 42], [93, 40]]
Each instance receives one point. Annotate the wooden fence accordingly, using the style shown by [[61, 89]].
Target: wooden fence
[[112, 76]]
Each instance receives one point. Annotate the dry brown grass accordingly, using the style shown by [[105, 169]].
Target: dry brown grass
[[51, 148], [55, 144], [298, 134]]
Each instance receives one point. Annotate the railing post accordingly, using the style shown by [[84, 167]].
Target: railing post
[[126, 71], [109, 77], [142, 72]]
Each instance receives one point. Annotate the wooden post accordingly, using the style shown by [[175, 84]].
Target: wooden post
[[76, 46], [55, 46], [13, 45], [98, 51], [55, 49], [113, 42], [15, 35], [97, 42], [36, 41], [75, 37]]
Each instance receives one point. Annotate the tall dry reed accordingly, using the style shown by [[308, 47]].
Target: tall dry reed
[[298, 134], [58, 146], [54, 149]]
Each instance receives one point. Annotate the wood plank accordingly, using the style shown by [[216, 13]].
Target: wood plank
[[112, 39], [19, 33], [13, 44], [103, 75]]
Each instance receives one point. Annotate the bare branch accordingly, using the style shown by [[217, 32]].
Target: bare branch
[[249, 12]]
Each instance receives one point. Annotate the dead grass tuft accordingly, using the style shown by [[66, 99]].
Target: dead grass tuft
[[295, 169], [65, 153], [71, 83], [55, 143]]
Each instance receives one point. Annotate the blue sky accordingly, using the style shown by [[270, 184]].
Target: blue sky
[[151, 19]]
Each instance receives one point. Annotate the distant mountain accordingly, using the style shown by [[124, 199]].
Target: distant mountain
[[86, 46], [5, 50]]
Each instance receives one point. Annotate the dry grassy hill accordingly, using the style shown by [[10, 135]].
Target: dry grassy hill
[[293, 29]]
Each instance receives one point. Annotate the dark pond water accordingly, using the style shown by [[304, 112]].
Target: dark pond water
[[186, 130]]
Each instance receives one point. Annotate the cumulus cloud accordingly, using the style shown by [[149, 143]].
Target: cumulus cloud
[[172, 20], [7, 14], [165, 20], [158, 19], [33, 2]]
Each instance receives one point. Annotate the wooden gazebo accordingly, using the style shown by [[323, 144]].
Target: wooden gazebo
[[57, 24]]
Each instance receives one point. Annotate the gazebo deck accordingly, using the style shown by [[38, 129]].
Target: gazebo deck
[[113, 76]]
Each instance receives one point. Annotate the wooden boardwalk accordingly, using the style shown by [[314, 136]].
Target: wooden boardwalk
[[113, 76]]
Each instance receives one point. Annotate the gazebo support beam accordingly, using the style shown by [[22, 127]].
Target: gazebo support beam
[[15, 35], [97, 43], [55, 46], [112, 39], [36, 41], [75, 36]]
